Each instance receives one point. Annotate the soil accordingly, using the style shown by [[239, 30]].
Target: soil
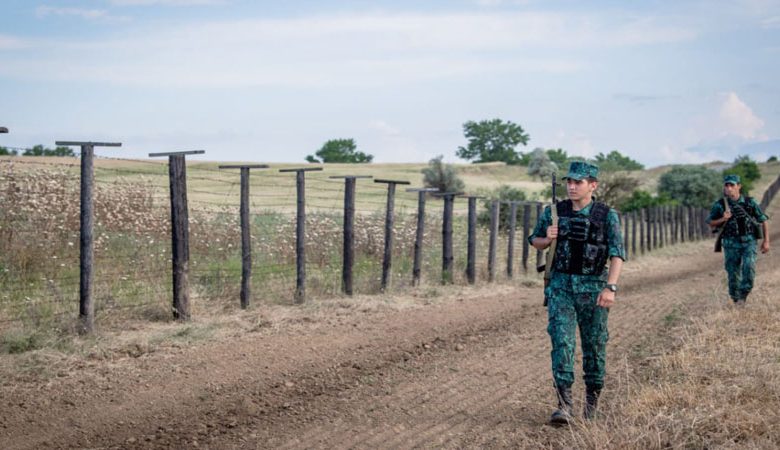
[[468, 369]]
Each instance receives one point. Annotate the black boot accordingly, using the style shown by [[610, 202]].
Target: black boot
[[591, 401], [562, 415]]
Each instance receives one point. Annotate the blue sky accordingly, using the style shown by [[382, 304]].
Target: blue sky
[[268, 81]]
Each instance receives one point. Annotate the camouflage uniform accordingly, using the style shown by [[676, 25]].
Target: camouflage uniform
[[739, 244], [572, 302]]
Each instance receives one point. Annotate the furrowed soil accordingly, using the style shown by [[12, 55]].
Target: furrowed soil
[[459, 368]]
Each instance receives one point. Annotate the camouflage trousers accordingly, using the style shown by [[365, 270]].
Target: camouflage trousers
[[740, 262], [565, 312]]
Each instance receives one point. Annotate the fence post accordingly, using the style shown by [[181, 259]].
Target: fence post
[[246, 234], [420, 232], [642, 243], [633, 233], [86, 240], [300, 231], [526, 232], [624, 218], [510, 250], [538, 252], [494, 212], [471, 252], [180, 231], [653, 221], [387, 259], [348, 244], [446, 236], [691, 228]]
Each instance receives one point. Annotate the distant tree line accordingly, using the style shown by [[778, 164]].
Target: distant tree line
[[38, 150]]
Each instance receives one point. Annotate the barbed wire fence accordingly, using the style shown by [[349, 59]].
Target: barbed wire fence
[[40, 263]]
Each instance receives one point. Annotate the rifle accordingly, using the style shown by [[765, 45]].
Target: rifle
[[547, 267], [719, 239]]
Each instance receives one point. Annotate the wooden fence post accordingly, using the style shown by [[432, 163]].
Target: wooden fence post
[[624, 218], [86, 239], [446, 236], [387, 259], [526, 232], [471, 252], [494, 214], [420, 232], [539, 254], [510, 250], [180, 231], [348, 241], [246, 232], [300, 231], [633, 233], [691, 225], [642, 243]]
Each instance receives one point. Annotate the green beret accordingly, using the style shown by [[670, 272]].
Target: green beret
[[579, 170]]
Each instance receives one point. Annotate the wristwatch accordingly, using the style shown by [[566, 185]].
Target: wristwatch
[[611, 287]]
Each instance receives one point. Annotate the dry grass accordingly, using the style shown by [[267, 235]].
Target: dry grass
[[713, 382]]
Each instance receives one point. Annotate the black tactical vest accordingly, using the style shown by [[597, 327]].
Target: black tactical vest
[[582, 240], [743, 220]]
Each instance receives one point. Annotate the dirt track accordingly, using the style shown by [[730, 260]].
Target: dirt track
[[468, 371]]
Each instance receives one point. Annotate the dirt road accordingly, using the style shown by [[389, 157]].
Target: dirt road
[[470, 369]]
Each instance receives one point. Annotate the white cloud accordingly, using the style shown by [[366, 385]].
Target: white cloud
[[351, 49], [575, 144], [11, 43], [736, 118], [88, 14], [384, 128]]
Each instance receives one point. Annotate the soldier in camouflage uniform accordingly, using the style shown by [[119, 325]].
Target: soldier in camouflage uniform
[[744, 223], [581, 290]]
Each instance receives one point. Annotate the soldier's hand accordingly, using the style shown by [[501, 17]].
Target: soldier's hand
[[552, 232], [727, 215], [765, 246], [606, 298]]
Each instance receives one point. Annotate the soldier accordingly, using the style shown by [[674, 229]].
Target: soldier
[[580, 291], [744, 223]]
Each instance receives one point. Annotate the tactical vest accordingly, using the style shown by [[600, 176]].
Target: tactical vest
[[743, 221], [582, 240]]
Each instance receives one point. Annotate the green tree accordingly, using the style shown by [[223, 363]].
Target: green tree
[[640, 199], [614, 161], [6, 152], [691, 185], [615, 187], [40, 150], [541, 166], [748, 172], [559, 157], [492, 140], [339, 151], [772, 159], [503, 193], [442, 176]]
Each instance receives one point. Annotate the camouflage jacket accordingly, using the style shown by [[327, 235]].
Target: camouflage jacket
[[716, 212]]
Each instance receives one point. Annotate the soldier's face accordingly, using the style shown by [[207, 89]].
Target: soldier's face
[[580, 189], [731, 190]]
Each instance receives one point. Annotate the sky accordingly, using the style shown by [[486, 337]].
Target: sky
[[663, 82]]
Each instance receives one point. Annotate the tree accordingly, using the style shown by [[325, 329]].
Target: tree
[[540, 165], [339, 151], [492, 140], [558, 156], [691, 185], [640, 199], [40, 150], [615, 187], [503, 193], [614, 161], [442, 176], [748, 172], [6, 152]]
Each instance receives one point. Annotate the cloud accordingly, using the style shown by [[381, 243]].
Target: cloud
[[384, 128], [736, 118], [12, 43], [575, 144], [88, 14], [373, 49]]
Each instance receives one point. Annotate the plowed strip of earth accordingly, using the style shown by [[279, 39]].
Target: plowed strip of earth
[[470, 369]]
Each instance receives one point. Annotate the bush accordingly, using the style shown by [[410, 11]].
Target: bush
[[748, 172], [640, 199], [691, 185], [504, 193], [442, 176]]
